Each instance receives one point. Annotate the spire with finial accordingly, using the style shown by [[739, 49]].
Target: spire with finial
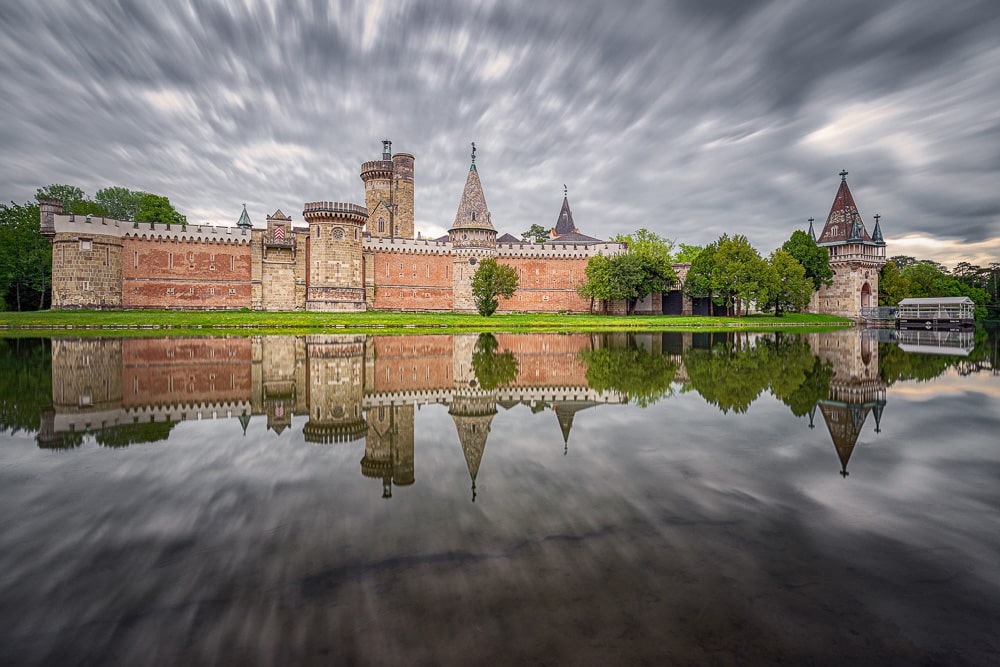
[[877, 232], [244, 422], [244, 221], [473, 167], [843, 224], [812, 233]]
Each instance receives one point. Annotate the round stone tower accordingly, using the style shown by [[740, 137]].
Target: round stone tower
[[389, 194], [335, 272], [473, 239], [335, 388]]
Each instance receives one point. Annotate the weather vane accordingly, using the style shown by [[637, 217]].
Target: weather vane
[[473, 152], [565, 191]]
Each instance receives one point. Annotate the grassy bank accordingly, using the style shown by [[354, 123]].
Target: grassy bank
[[172, 322]]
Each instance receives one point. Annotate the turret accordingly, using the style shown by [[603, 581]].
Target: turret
[[473, 238], [389, 194], [335, 276]]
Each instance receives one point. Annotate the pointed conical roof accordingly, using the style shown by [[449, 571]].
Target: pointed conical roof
[[472, 210], [565, 224], [812, 232], [244, 221], [844, 222], [244, 422], [877, 234], [844, 423]]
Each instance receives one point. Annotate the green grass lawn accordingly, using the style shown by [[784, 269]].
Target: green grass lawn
[[162, 322]]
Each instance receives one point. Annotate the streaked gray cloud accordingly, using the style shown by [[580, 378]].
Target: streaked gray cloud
[[690, 118]]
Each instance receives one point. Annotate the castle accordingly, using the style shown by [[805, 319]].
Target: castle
[[350, 258]]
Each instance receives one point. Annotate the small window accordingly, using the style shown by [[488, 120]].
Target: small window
[[170, 290], [381, 224], [191, 291], [232, 291], [190, 256], [107, 256], [170, 260], [232, 262], [86, 244], [135, 259], [211, 291]]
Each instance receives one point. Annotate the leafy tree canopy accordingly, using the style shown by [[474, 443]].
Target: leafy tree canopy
[[686, 253], [490, 281], [641, 377], [120, 203], [814, 259], [154, 208], [25, 258], [492, 368], [535, 233], [644, 268], [789, 289]]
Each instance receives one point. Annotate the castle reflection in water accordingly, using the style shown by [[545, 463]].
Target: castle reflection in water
[[351, 388]]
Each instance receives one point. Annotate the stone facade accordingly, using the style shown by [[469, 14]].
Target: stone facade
[[856, 257]]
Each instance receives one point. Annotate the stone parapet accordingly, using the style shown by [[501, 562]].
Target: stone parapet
[[407, 245], [559, 251]]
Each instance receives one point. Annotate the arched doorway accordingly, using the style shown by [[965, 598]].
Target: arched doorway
[[866, 296]]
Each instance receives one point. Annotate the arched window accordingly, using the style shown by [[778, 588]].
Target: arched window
[[381, 224]]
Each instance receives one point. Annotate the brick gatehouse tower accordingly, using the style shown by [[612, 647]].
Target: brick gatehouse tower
[[855, 257]]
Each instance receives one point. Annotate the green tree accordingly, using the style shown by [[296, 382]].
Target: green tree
[[741, 274], [642, 378], [790, 288], [535, 233], [814, 259], [25, 383], [156, 208], [687, 253], [71, 197], [892, 285], [644, 268], [120, 203], [493, 369], [700, 277], [25, 258], [490, 281]]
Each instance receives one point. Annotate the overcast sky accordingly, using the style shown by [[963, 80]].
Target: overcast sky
[[691, 118]]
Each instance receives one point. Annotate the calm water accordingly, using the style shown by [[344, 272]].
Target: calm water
[[552, 499]]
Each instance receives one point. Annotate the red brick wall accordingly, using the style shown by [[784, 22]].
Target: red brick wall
[[547, 285], [185, 371], [426, 362], [412, 281], [198, 270]]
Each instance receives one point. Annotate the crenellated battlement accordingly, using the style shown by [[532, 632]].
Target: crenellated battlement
[[558, 251], [376, 169], [162, 231], [409, 246]]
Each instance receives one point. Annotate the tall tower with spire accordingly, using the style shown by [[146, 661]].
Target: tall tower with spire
[[472, 407], [855, 257], [473, 239], [389, 194]]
